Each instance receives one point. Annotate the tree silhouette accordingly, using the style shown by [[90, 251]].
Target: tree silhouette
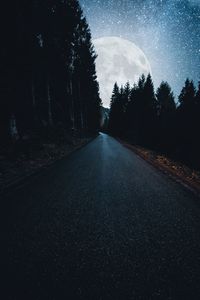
[[166, 116], [134, 111], [186, 120], [155, 120], [48, 70], [149, 112], [115, 111]]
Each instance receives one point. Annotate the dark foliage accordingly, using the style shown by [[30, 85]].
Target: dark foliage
[[188, 125], [154, 120], [48, 76], [166, 113], [133, 111]]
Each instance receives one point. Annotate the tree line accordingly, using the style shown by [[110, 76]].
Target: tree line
[[153, 119], [48, 76]]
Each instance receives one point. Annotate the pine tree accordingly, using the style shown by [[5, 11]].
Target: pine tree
[[125, 98], [165, 99], [113, 115], [141, 82], [116, 111], [186, 120], [148, 112], [115, 95], [187, 95], [132, 112], [141, 112], [48, 69], [90, 87], [127, 93], [166, 116]]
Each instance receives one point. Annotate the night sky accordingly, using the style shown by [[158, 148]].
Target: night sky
[[168, 32]]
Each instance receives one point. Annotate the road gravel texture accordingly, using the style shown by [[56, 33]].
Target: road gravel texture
[[100, 224]]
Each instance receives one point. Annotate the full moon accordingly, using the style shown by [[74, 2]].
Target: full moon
[[118, 60]]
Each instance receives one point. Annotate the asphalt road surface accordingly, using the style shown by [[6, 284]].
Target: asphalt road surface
[[100, 224]]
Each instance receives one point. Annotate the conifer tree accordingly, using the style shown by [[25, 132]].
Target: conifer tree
[[148, 111], [186, 120], [187, 95], [113, 115], [116, 111], [166, 116], [48, 69]]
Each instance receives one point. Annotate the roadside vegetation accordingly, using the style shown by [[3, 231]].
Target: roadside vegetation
[[49, 94]]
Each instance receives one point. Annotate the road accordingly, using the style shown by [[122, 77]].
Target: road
[[100, 224]]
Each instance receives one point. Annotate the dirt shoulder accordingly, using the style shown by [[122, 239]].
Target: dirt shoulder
[[176, 170], [13, 171]]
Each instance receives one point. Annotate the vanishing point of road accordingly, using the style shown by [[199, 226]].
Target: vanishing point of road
[[100, 224]]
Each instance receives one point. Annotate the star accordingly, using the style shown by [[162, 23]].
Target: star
[[167, 31]]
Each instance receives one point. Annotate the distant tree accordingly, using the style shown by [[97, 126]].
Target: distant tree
[[126, 95], [113, 115], [166, 116], [187, 95], [125, 99], [141, 82], [132, 114], [187, 99], [139, 111], [165, 99], [116, 111], [115, 94], [148, 108], [149, 95], [186, 120]]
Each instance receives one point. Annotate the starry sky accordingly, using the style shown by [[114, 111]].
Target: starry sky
[[168, 32]]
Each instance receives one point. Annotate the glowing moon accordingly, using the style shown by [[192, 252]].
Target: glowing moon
[[118, 60]]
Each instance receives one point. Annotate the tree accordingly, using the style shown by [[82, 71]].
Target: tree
[[186, 133], [116, 111], [186, 109], [132, 114], [48, 69], [148, 107], [87, 81], [166, 116], [139, 111], [187, 95], [113, 121]]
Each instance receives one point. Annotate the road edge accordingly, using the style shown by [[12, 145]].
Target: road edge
[[164, 170], [22, 180]]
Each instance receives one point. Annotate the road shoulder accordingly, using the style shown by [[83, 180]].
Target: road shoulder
[[13, 173], [175, 170]]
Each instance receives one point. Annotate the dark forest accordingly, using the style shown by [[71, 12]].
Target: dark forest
[[153, 119], [48, 77]]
